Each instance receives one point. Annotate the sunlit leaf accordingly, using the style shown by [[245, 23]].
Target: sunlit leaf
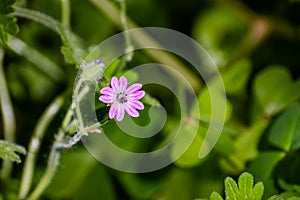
[[245, 183], [231, 189], [258, 191], [215, 196]]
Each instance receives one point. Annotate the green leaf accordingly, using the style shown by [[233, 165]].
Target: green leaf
[[258, 191], [275, 197], [245, 185], [285, 196], [8, 25], [8, 151], [5, 6], [221, 32], [85, 176], [207, 109], [141, 187], [190, 157], [262, 169], [179, 185], [71, 49], [285, 133], [231, 189], [246, 145], [215, 196], [236, 77], [274, 89], [263, 166]]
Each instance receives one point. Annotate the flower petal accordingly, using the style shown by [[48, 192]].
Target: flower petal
[[136, 104], [123, 83], [107, 91], [132, 111], [113, 110], [120, 112], [115, 83], [133, 88], [136, 95], [107, 99]]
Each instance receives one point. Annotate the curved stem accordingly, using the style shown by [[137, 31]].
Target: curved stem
[[113, 14], [50, 171], [8, 117], [35, 143], [72, 44], [65, 12], [37, 17]]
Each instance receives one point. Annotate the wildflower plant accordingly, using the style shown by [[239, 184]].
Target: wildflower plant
[[122, 98], [61, 96]]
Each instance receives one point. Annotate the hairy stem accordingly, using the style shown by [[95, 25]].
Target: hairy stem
[[50, 171], [35, 143], [37, 17], [8, 117]]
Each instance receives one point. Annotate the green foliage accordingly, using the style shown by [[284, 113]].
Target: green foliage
[[256, 49], [71, 49], [8, 25], [221, 32], [85, 177], [275, 89], [8, 150], [244, 190], [285, 133]]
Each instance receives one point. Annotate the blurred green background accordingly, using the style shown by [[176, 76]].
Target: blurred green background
[[255, 44]]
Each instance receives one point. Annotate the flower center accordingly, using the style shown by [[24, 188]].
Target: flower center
[[122, 98]]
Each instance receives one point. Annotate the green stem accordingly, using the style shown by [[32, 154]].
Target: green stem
[[43, 63], [65, 12], [38, 17], [8, 117], [69, 39], [129, 48], [50, 171], [77, 100], [113, 14], [61, 142], [35, 143]]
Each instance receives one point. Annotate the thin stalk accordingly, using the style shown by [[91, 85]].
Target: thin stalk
[[37, 17], [63, 142], [8, 117], [69, 39], [43, 63], [113, 14], [35, 143], [129, 48], [65, 12], [50, 171]]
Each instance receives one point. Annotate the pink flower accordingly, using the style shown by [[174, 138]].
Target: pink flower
[[122, 98]]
